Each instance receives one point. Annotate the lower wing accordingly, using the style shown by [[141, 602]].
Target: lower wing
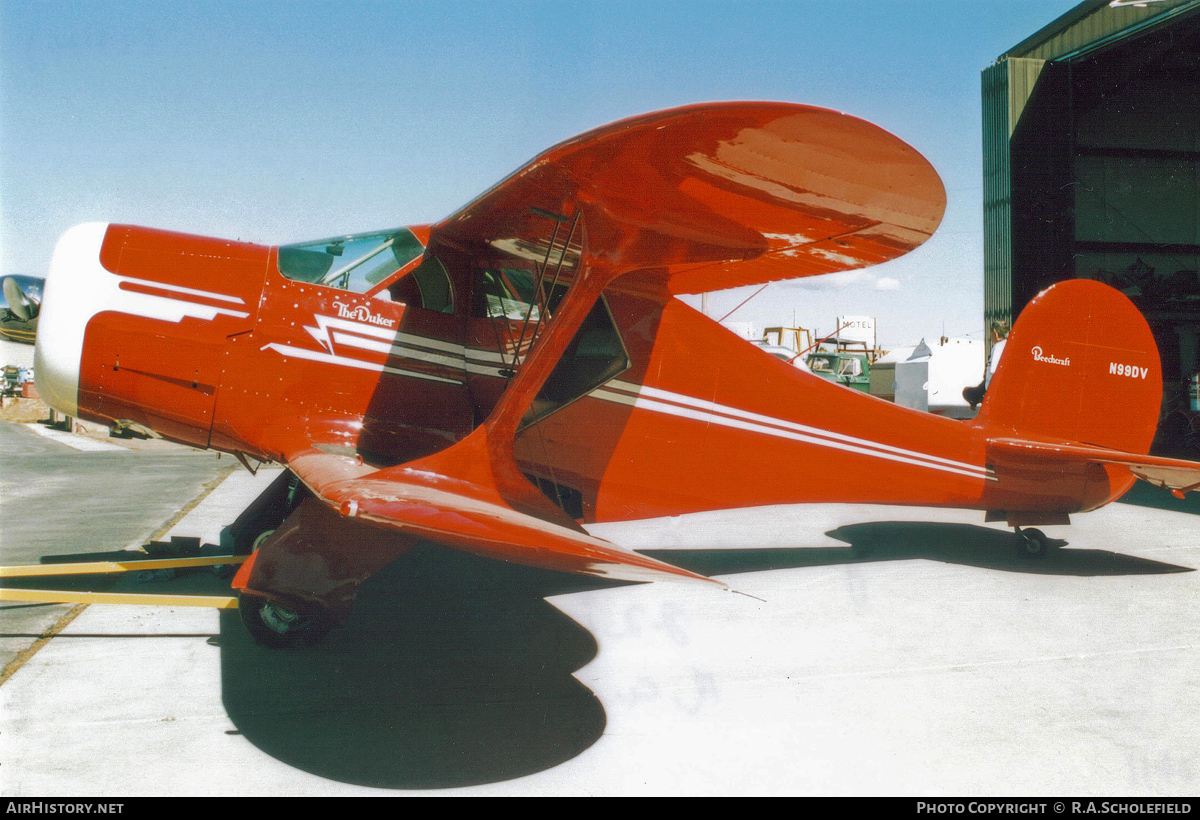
[[453, 498]]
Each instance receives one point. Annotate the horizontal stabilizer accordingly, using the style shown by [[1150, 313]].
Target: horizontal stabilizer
[[1173, 474]]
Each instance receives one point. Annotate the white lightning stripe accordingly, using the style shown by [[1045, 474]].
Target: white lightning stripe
[[322, 331], [864, 447], [330, 330], [321, 334], [180, 289], [398, 350], [486, 355], [346, 361], [481, 370], [173, 310], [665, 395], [469, 352], [432, 344], [153, 306]]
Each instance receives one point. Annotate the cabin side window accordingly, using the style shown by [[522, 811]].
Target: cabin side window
[[594, 356], [427, 286], [511, 293]]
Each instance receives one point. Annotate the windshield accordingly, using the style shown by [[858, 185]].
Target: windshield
[[354, 263]]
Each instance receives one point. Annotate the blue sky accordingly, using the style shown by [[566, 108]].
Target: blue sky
[[277, 122]]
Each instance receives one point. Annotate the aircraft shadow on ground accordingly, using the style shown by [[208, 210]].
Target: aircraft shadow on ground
[[455, 671], [905, 540]]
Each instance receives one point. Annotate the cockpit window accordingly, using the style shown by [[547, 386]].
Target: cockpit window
[[508, 293], [354, 263], [427, 286]]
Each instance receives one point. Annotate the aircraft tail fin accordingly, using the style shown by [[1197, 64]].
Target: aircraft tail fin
[[1080, 365]]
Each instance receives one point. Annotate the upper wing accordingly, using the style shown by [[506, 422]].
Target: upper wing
[[1172, 474], [719, 195]]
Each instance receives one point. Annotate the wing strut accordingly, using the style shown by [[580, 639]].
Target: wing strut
[[541, 295]]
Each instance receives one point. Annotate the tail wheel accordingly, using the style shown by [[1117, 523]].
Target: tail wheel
[[1032, 543], [278, 626]]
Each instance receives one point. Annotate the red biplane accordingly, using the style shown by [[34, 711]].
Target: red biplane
[[499, 380]]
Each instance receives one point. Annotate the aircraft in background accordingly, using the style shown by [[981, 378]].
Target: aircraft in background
[[500, 380], [23, 297]]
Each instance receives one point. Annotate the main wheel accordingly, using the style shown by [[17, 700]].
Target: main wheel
[[1032, 543], [277, 626]]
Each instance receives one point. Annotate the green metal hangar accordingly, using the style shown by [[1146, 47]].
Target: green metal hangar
[[1091, 167]]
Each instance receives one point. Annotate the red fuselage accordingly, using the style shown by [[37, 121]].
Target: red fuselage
[[208, 343]]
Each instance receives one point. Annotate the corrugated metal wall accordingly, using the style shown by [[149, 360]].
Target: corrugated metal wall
[[1007, 86], [1103, 21], [997, 198]]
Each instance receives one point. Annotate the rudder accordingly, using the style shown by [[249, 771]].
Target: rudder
[[1080, 365]]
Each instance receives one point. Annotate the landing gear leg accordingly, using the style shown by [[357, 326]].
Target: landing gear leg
[[1032, 543], [266, 513]]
